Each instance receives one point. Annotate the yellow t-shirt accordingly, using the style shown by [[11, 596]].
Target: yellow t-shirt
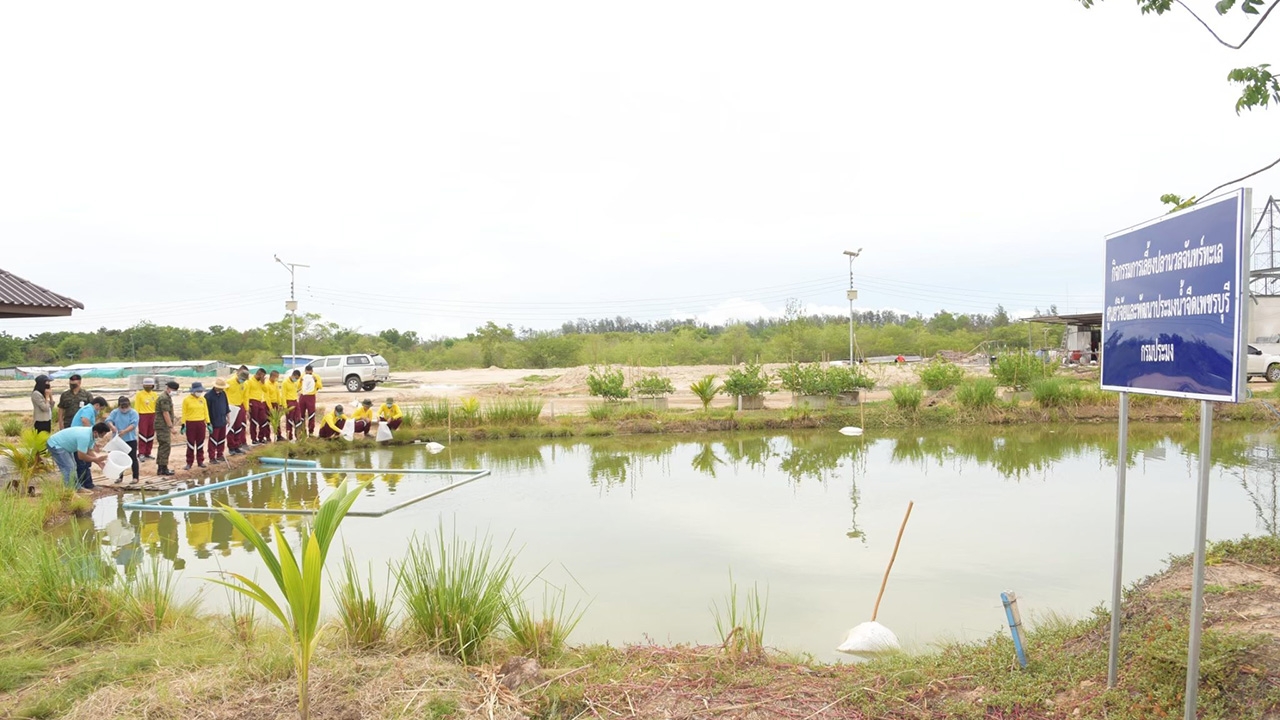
[[363, 413], [390, 412], [237, 395], [195, 409], [330, 421], [144, 401], [273, 393], [290, 389], [255, 390]]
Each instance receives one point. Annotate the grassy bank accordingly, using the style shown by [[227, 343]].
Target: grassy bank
[[80, 638]]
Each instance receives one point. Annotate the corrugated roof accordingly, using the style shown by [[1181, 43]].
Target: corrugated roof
[[22, 293]]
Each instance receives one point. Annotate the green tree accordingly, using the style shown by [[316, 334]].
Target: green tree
[[1259, 86], [1001, 318], [489, 336]]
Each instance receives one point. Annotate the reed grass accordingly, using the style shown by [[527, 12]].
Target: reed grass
[[976, 394], [364, 613], [907, 397], [1056, 392], [741, 625], [604, 411], [513, 411], [542, 635], [455, 593], [149, 602], [432, 412]]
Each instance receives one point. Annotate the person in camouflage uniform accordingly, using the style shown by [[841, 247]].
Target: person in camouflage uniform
[[166, 426], [72, 400]]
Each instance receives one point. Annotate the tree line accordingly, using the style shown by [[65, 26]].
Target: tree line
[[621, 340]]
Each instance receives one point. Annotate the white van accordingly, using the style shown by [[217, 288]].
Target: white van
[[356, 372]]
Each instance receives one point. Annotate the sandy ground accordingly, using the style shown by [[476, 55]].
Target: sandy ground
[[564, 389]]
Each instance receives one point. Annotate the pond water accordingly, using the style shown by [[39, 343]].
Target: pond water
[[648, 528]]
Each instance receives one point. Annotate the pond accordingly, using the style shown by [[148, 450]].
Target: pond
[[646, 529]]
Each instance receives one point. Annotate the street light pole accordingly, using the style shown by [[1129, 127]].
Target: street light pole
[[292, 307], [852, 295]]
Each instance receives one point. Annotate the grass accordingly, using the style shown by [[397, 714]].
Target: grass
[[740, 626], [433, 412], [455, 593], [12, 425], [365, 617], [1056, 392], [512, 411], [543, 635], [600, 411], [976, 394], [907, 397]]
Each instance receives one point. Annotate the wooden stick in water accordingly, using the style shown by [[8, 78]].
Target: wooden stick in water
[[892, 557]]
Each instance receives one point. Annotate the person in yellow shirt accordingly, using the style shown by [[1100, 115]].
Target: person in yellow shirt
[[144, 401], [289, 393], [310, 385], [259, 423], [274, 403], [390, 414], [332, 423], [195, 419], [237, 403], [363, 416]]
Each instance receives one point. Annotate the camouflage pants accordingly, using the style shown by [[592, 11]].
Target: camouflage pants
[[162, 446]]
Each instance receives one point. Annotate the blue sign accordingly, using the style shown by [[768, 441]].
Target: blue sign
[[1174, 319]]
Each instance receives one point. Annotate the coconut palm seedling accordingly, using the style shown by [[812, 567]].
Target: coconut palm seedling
[[28, 456], [706, 389], [298, 582]]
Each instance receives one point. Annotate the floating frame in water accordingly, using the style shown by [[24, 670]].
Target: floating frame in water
[[153, 504]]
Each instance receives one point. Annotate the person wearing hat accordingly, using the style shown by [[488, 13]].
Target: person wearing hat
[[259, 422], [72, 400], [91, 414], [166, 426], [195, 417], [219, 410], [332, 423], [363, 416], [144, 402], [307, 398], [237, 397], [123, 421], [42, 404], [390, 414], [289, 393]]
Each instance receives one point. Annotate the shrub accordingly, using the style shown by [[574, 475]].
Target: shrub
[[706, 389], [907, 397], [1018, 370], [608, 383], [977, 393], [652, 385], [455, 594], [939, 374], [747, 381], [813, 379]]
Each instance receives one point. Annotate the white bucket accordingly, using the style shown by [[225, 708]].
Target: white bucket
[[117, 445], [384, 432], [113, 470], [349, 430], [119, 458]]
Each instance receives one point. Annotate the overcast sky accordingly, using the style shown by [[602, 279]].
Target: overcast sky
[[443, 164]]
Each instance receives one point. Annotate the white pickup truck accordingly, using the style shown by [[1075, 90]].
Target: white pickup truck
[[1262, 364]]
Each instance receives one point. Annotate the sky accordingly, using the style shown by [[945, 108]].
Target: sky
[[439, 165]]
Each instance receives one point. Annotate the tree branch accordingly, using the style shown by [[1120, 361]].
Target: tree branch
[[1215, 35], [1241, 179]]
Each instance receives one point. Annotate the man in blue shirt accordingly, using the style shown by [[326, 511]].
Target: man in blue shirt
[[124, 423], [73, 450], [88, 415]]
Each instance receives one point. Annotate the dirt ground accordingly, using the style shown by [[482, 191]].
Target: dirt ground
[[564, 389]]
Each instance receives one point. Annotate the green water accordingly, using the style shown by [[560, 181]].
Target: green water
[[647, 528]]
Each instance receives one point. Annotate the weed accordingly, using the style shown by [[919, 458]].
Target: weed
[[976, 394], [741, 626], [939, 374], [907, 397], [454, 593]]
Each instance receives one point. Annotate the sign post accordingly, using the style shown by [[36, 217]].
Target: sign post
[[1174, 325]]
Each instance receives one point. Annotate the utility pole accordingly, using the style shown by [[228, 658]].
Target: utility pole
[[292, 306], [852, 295]]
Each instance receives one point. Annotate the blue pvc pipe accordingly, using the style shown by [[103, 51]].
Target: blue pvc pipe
[[1015, 628], [288, 462]]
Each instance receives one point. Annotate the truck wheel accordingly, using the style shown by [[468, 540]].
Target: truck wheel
[[354, 384], [370, 386], [1273, 372]]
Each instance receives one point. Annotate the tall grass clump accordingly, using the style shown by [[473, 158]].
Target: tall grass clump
[[976, 394], [542, 635], [1056, 392], [455, 593], [148, 595], [907, 397], [12, 425], [740, 625], [298, 582], [938, 374], [1018, 370], [365, 616], [604, 411], [432, 412], [513, 411], [66, 583]]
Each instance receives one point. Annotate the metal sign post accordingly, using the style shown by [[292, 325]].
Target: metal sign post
[[1174, 325]]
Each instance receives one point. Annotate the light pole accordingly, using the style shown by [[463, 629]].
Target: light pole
[[292, 307], [852, 295]]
